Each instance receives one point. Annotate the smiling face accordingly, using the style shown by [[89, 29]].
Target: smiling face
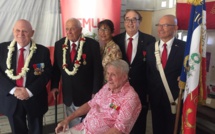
[[115, 78], [131, 23], [167, 27], [22, 32], [104, 33], [73, 29]]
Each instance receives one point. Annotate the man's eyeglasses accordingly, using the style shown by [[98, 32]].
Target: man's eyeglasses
[[103, 30], [164, 25], [134, 20]]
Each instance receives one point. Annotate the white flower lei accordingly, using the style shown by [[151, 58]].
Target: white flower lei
[[77, 61], [25, 69]]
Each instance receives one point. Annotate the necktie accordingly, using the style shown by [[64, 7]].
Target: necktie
[[19, 82], [73, 52], [129, 50], [164, 55]]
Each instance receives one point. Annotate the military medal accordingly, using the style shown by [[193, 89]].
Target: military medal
[[38, 68], [84, 56], [113, 106]]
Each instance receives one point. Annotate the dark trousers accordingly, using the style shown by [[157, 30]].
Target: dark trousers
[[34, 125], [140, 124], [163, 120]]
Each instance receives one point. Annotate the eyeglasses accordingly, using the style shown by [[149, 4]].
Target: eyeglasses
[[164, 25], [103, 30], [134, 20]]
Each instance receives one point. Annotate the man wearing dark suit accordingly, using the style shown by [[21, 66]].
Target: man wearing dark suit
[[162, 118], [137, 74], [23, 95], [82, 75]]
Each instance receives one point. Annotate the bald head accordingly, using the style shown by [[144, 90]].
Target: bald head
[[24, 22], [167, 27], [22, 32], [171, 18], [76, 22]]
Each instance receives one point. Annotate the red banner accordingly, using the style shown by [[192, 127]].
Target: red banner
[[90, 13], [183, 14]]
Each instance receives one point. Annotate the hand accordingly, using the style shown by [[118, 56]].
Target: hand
[[21, 93], [62, 126], [54, 91], [92, 96], [113, 131]]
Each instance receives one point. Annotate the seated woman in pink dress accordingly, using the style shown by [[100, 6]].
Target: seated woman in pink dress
[[114, 109]]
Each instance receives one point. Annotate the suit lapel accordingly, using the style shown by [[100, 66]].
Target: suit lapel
[[139, 49], [172, 54], [32, 61], [14, 58]]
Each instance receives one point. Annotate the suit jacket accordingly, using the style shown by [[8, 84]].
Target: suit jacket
[[37, 105], [157, 92], [137, 74], [88, 79]]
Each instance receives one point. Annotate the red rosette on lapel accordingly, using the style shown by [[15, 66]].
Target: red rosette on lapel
[[144, 55], [65, 46]]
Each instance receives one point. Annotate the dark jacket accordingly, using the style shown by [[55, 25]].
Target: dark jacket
[[89, 77]]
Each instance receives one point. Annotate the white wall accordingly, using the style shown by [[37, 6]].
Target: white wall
[[150, 4]]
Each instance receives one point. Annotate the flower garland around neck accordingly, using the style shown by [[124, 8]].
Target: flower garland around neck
[[25, 69], [77, 60]]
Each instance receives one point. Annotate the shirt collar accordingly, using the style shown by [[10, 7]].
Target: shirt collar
[[76, 43], [123, 90], [168, 43], [134, 37], [27, 47]]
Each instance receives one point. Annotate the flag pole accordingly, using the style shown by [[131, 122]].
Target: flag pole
[[178, 110]]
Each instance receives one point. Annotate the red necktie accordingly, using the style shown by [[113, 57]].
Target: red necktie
[[73, 52], [164, 55], [129, 50], [19, 82]]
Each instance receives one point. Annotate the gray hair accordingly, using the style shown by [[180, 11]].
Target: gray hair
[[121, 64], [78, 23]]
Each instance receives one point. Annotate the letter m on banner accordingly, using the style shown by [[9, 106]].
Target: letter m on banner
[[193, 76]]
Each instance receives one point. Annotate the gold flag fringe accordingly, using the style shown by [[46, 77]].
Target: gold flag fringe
[[194, 2], [181, 84]]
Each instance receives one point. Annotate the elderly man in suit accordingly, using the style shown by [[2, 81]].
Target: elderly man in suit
[[25, 69], [171, 52], [77, 61], [133, 44]]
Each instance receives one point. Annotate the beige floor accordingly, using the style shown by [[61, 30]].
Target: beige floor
[[50, 128], [149, 123]]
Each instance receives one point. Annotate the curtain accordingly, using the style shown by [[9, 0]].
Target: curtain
[[44, 15]]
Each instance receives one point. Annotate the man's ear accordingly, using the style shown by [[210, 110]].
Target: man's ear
[[32, 33]]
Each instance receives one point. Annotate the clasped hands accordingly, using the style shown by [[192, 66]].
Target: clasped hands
[[21, 93]]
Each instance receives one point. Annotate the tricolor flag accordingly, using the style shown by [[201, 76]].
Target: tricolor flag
[[193, 76]]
